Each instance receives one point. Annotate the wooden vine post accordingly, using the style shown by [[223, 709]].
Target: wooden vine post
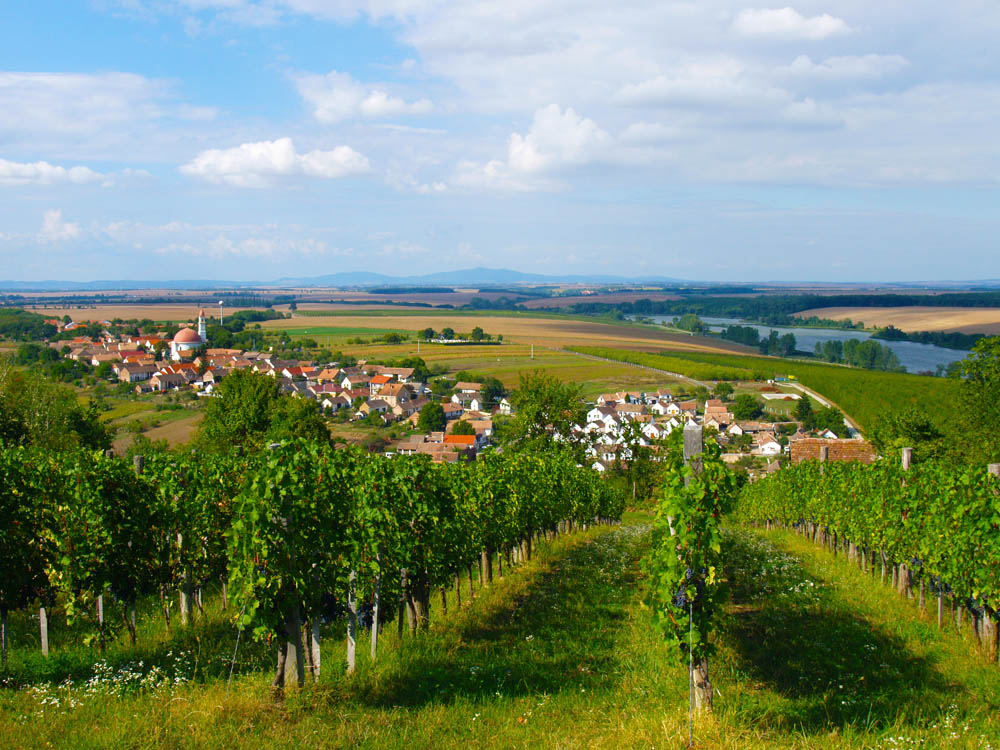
[[903, 579], [991, 629], [376, 597], [352, 620], [701, 684]]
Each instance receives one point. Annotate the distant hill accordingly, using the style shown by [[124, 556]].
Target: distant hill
[[475, 276], [483, 277], [470, 276]]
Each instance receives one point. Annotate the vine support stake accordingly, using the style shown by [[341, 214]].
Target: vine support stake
[[693, 447], [352, 619], [43, 626], [376, 596]]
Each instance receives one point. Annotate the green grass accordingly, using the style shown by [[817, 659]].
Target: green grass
[[123, 409], [819, 650], [559, 653]]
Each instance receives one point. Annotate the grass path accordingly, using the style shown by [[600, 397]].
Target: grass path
[[561, 654], [819, 654]]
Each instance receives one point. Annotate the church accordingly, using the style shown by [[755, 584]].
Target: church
[[186, 341]]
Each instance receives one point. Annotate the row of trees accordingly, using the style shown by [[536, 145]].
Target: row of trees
[[477, 334], [869, 354]]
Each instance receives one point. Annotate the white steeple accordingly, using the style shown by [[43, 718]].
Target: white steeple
[[202, 327]]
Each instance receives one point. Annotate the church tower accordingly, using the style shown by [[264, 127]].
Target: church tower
[[202, 327]]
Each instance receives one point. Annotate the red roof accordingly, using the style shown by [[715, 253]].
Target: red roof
[[381, 379], [467, 441]]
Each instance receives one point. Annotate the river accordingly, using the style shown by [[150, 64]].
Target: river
[[915, 357]]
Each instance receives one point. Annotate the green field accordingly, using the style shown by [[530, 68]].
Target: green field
[[337, 336]]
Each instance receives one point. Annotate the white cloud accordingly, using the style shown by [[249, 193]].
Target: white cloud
[[810, 113], [43, 173], [409, 183], [91, 116], [850, 66], [335, 97], [260, 164], [557, 139], [788, 23], [54, 229], [726, 83], [641, 133]]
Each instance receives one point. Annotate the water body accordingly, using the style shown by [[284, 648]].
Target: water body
[[915, 357]]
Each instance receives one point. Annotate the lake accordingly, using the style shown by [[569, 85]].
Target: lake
[[915, 357]]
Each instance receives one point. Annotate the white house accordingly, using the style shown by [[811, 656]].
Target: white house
[[468, 402], [655, 431]]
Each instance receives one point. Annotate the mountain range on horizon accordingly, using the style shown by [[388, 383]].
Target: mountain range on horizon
[[470, 276]]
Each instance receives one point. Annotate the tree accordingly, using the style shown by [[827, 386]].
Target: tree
[[830, 418], [36, 411], [493, 390], [723, 390], [431, 418], [544, 407], [250, 411], [804, 411], [979, 401], [463, 427], [427, 334], [746, 406], [910, 428], [297, 418], [220, 337], [447, 333], [690, 322], [477, 334]]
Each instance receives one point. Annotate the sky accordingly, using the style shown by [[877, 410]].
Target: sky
[[711, 140]]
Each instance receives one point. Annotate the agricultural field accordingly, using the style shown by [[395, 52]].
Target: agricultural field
[[948, 319], [161, 313], [553, 331]]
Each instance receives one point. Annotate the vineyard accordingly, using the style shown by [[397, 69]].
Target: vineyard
[[297, 534], [934, 528], [174, 585]]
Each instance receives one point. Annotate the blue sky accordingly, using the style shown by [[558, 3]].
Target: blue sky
[[717, 140]]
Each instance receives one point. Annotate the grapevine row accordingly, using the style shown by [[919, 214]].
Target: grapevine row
[[299, 533], [934, 526]]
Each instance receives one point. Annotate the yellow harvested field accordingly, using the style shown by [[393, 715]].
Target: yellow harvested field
[[550, 332], [952, 319], [161, 312]]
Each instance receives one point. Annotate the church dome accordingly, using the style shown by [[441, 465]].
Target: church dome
[[187, 336]]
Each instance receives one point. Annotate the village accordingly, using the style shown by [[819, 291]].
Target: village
[[615, 427]]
